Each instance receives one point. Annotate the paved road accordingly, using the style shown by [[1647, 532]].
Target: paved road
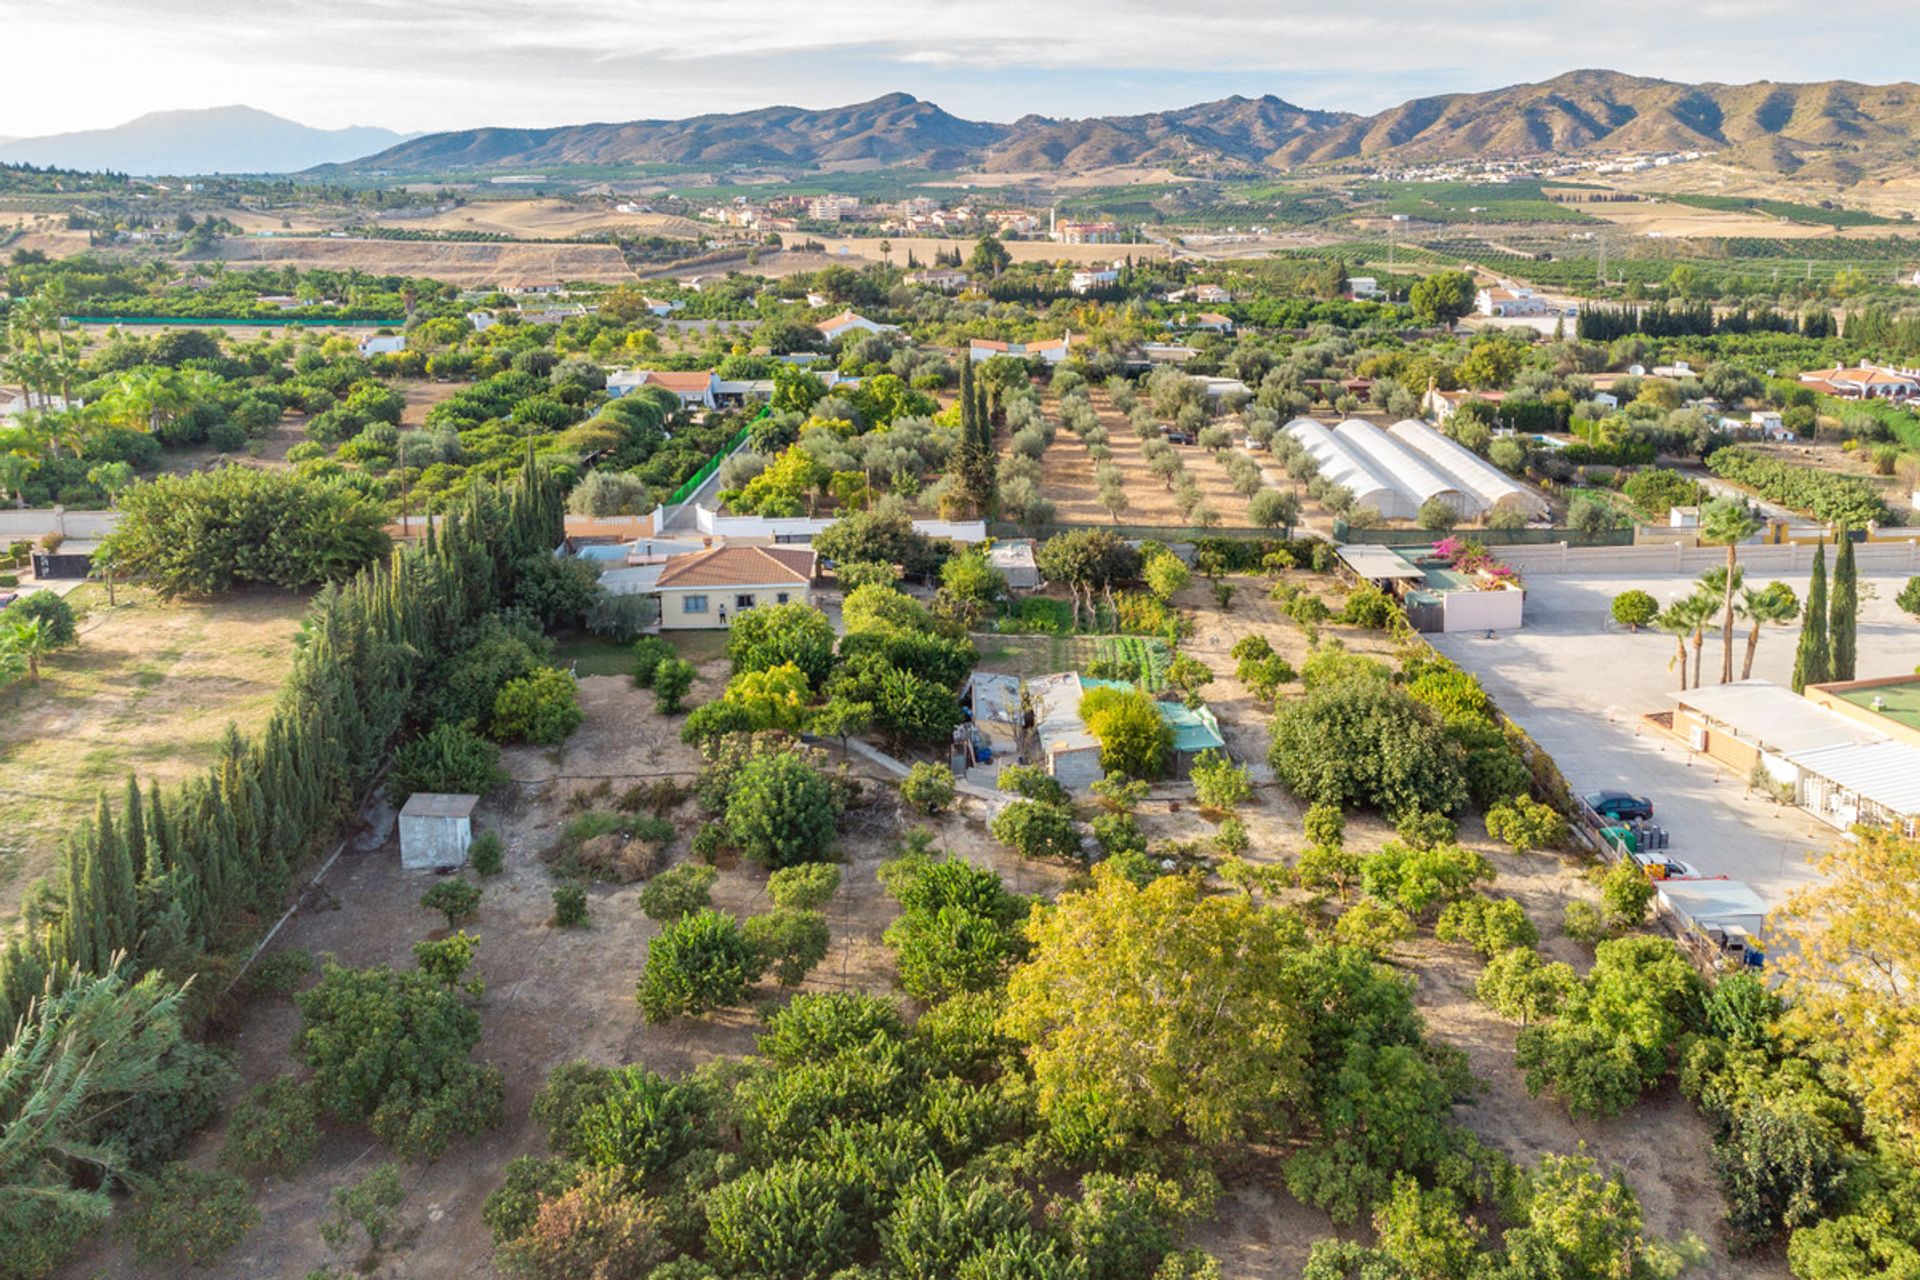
[[1580, 685]]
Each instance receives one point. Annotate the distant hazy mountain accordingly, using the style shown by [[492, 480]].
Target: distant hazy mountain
[[213, 140], [1835, 129]]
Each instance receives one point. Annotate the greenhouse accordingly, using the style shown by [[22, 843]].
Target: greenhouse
[[1343, 465], [1472, 474]]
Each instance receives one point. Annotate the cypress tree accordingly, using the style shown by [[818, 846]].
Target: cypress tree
[[119, 899], [136, 831], [1813, 660], [1843, 613]]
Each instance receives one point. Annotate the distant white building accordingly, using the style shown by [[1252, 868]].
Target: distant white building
[[1364, 286], [382, 344], [848, 322], [1211, 293], [1050, 350], [1510, 301], [1087, 279]]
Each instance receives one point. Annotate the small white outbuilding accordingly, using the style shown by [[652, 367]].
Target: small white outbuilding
[[435, 830]]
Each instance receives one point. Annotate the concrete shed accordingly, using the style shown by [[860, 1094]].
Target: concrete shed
[[1014, 559], [435, 830]]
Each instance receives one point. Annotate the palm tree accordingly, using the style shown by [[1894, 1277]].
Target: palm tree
[[1774, 603], [1698, 610], [1674, 621], [1727, 522], [30, 640]]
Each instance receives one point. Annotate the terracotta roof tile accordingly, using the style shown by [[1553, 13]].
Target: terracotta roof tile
[[739, 566]]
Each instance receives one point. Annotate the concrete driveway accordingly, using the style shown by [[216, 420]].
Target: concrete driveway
[[1580, 685]]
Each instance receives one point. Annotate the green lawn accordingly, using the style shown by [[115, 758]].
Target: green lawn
[[591, 655]]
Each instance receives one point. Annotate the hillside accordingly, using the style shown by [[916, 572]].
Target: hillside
[[1776, 127], [895, 129], [1839, 127], [215, 140]]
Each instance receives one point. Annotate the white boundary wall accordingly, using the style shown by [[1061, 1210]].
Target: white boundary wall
[[31, 522], [1678, 557], [719, 526]]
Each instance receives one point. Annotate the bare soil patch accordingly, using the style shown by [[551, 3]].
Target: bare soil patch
[[1067, 477], [454, 262]]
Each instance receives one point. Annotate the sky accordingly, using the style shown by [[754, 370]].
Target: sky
[[417, 65]]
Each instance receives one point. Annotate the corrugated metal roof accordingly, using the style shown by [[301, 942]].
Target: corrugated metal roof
[[1713, 901], [1777, 719], [1192, 730], [1376, 563], [1056, 713], [1885, 772]]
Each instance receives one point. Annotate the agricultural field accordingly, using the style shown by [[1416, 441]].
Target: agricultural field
[[546, 220], [150, 689], [1067, 478], [453, 262]]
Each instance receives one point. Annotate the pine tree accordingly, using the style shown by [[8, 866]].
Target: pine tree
[[1813, 661], [1843, 613]]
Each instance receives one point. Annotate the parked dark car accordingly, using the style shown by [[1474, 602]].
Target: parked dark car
[[1623, 805]]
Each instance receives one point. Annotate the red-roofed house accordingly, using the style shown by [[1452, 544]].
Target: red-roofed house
[[692, 388], [704, 589], [1864, 382]]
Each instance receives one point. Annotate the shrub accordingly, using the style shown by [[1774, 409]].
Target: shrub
[[648, 653], [784, 1222], [773, 635], [1418, 880], [598, 1229], [959, 929], [1526, 824], [699, 962], [1582, 921], [1373, 927], [788, 943], [280, 973], [275, 1129], [207, 532], [1360, 741], [1625, 894], [1219, 783], [942, 1220], [817, 1028], [928, 788], [448, 759], [1231, 837], [1369, 606], [569, 906], [635, 1123], [780, 811], [53, 612], [672, 679], [488, 853], [1488, 925], [1037, 830], [541, 708], [455, 897], [1030, 782], [1425, 830], [1634, 609], [1134, 738], [363, 1210], [1616, 1035], [678, 891], [1324, 824], [190, 1216], [804, 888], [1328, 866], [511, 1207], [390, 1048], [446, 961], [1522, 987]]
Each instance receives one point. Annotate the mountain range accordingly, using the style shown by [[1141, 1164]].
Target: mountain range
[[1841, 128], [211, 140]]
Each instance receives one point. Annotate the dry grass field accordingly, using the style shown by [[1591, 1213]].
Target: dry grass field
[[925, 247], [1067, 478], [545, 219], [150, 689], [455, 263]]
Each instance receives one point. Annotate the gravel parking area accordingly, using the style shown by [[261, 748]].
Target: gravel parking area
[[1581, 684]]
